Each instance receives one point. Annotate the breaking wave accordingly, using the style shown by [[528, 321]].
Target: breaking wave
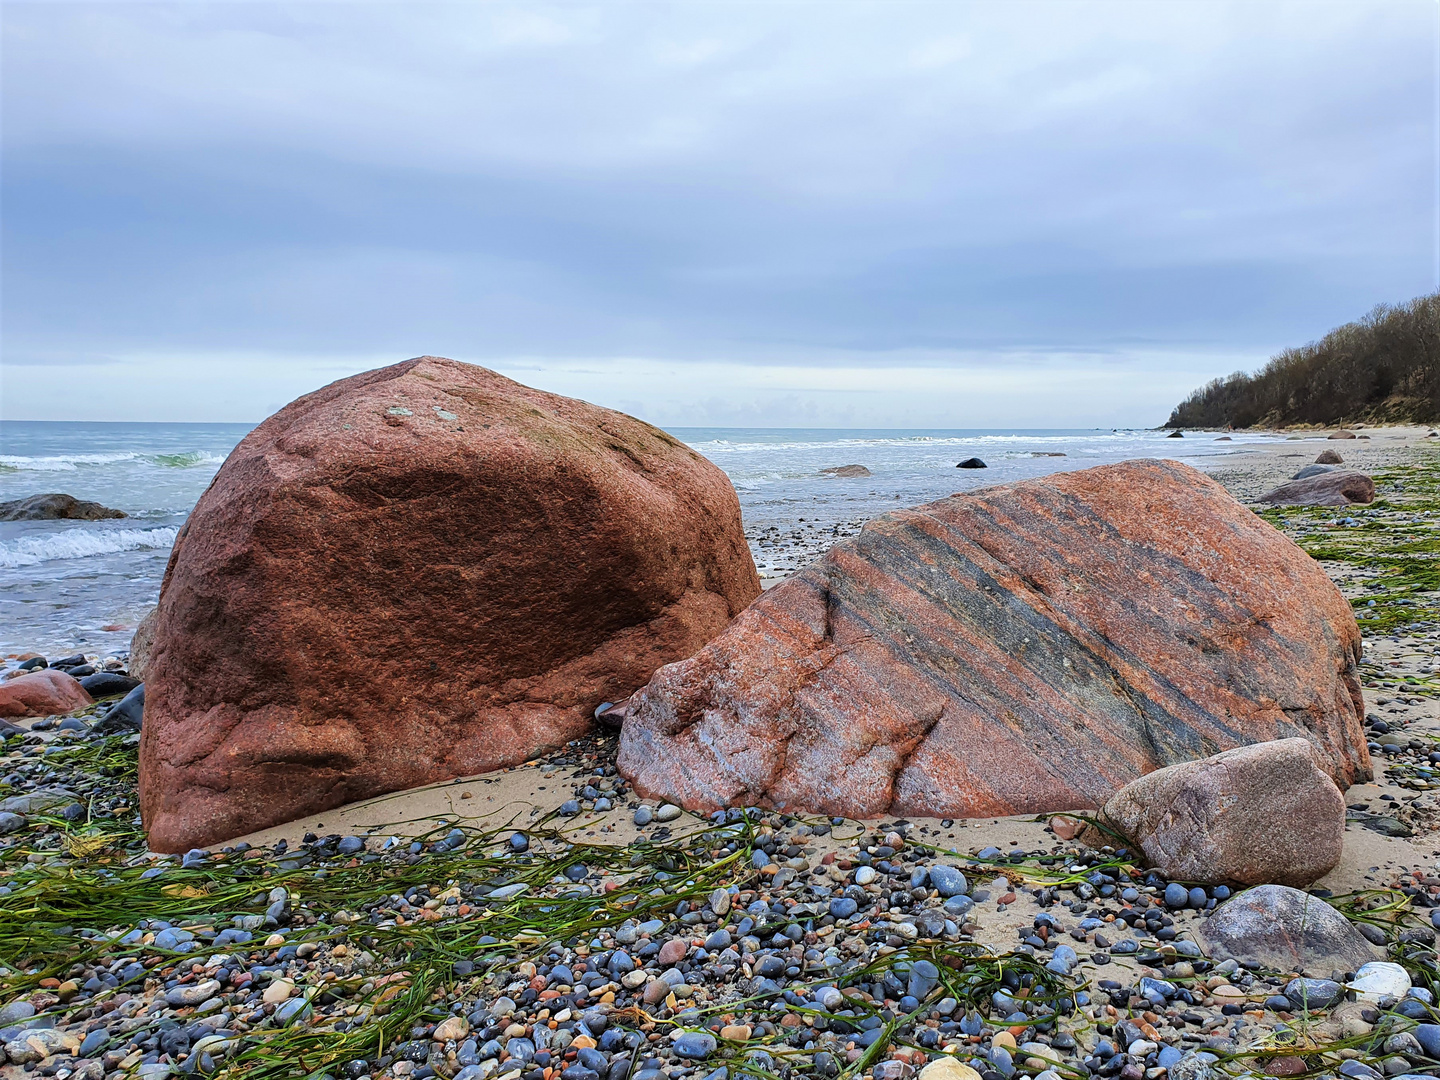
[[81, 544], [73, 462]]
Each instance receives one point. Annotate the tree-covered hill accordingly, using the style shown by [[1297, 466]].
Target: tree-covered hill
[[1384, 368]]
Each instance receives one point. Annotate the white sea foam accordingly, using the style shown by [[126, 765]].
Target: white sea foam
[[75, 462], [82, 543]]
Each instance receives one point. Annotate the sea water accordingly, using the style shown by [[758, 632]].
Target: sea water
[[81, 586]]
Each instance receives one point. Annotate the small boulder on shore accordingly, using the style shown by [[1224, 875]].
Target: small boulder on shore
[[1329, 457], [1312, 470], [55, 507], [1025, 648], [846, 470], [46, 692], [1277, 928], [1341, 434], [1327, 489], [1260, 814]]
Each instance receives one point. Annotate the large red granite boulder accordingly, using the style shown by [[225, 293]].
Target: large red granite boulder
[[1018, 649], [421, 572]]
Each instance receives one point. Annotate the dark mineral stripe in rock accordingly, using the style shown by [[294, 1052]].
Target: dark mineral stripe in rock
[[1029, 647]]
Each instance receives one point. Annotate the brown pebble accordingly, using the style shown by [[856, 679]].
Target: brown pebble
[[1285, 1066], [672, 952]]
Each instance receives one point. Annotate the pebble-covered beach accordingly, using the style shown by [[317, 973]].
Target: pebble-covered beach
[[544, 922]]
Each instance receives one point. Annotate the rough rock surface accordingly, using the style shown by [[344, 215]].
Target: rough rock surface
[[55, 507], [1024, 648], [1329, 457], [1254, 815], [1327, 489], [140, 646], [430, 517], [1312, 470], [46, 692], [846, 470], [1284, 929]]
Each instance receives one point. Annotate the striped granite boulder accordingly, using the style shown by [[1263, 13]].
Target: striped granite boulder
[[1025, 648]]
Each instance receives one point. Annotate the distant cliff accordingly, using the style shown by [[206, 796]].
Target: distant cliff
[[1384, 368]]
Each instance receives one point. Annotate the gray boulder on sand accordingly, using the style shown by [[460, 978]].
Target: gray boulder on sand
[[1313, 470], [55, 507], [1329, 489], [1259, 814], [1329, 457], [1278, 928]]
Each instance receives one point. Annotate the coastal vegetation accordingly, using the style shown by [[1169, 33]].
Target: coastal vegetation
[[1383, 368]]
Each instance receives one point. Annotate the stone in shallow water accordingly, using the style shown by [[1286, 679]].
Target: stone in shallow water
[[55, 507]]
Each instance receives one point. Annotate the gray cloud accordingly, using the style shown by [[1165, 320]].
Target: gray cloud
[[1173, 189]]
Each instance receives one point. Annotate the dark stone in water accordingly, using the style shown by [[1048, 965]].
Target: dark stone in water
[[55, 507], [107, 683], [972, 463]]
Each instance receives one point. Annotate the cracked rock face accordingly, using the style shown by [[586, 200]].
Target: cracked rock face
[[1024, 648], [1254, 815], [417, 573]]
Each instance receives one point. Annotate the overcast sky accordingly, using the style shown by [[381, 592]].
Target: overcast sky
[[839, 214]]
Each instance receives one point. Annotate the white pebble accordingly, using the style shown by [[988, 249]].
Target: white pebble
[[1380, 979]]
